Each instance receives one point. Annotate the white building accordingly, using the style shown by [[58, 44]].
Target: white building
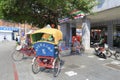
[[5, 34], [106, 19], [8, 33]]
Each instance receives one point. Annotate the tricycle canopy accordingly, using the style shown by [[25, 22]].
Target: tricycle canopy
[[45, 33]]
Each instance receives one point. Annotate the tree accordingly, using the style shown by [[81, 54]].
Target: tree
[[41, 12]]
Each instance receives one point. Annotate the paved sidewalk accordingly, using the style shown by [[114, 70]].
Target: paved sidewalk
[[75, 67], [85, 67], [89, 67]]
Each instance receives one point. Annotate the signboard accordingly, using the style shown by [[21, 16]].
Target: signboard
[[9, 28], [44, 49]]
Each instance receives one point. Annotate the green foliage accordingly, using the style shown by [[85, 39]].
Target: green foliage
[[41, 12]]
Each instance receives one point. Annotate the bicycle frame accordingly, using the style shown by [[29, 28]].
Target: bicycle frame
[[26, 50]]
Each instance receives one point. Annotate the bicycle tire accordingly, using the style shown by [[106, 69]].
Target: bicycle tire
[[17, 56], [117, 56], [56, 67], [102, 55], [35, 67], [108, 54]]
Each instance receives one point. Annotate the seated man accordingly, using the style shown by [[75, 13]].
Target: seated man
[[45, 36], [50, 38], [76, 46]]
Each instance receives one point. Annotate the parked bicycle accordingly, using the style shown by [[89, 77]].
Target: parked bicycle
[[21, 51], [113, 52], [106, 51]]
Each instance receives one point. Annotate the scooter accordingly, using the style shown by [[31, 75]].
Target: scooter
[[100, 51]]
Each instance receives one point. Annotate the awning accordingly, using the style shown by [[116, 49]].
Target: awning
[[77, 14], [112, 14]]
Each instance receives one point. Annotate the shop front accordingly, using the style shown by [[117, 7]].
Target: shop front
[[97, 32], [71, 31]]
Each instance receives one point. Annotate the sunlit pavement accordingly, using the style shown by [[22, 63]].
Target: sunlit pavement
[[74, 67]]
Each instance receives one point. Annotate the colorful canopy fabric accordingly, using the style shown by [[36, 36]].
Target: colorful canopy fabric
[[76, 14], [57, 34]]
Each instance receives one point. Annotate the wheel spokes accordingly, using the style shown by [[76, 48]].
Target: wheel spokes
[[56, 67]]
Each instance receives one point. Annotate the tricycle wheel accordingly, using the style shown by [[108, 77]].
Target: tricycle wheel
[[56, 67], [35, 67], [17, 56]]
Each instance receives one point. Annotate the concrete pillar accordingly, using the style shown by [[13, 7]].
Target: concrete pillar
[[63, 29], [67, 34], [70, 40], [86, 33], [110, 35]]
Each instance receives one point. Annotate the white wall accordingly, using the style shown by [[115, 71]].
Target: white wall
[[106, 4], [7, 34]]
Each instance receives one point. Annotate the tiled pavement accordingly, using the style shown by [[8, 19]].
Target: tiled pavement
[[75, 67]]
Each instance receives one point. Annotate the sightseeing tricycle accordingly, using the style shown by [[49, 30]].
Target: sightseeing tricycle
[[23, 49], [45, 42]]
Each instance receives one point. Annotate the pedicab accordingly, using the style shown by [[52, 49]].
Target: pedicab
[[24, 49], [45, 42]]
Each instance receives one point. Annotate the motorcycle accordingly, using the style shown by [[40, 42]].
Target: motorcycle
[[100, 51]]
